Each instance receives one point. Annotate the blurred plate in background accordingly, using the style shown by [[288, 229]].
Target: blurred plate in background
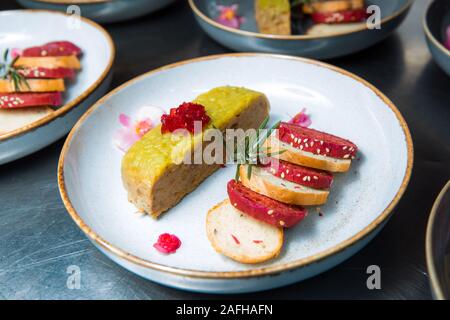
[[104, 11], [26, 28], [248, 38]]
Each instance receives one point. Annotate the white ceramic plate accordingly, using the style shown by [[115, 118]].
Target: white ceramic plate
[[339, 103], [25, 28]]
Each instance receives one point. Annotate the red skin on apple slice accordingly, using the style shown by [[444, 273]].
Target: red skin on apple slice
[[25, 100], [316, 142], [304, 176], [264, 208], [46, 73], [348, 16], [52, 49]]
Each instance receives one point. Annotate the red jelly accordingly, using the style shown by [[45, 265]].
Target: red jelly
[[356, 15], [264, 208], [316, 142], [46, 73], [167, 243], [184, 117], [304, 176], [52, 49]]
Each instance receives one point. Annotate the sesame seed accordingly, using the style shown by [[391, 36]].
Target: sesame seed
[[301, 147], [287, 171], [282, 175], [306, 145], [312, 143], [318, 151], [327, 150], [270, 212], [305, 140], [346, 156], [315, 178], [235, 204], [304, 178], [282, 223], [344, 148]]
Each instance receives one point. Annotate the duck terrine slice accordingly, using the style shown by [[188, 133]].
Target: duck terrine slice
[[152, 172]]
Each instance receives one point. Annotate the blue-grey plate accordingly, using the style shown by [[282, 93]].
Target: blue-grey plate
[[104, 11], [341, 43], [438, 245], [356, 211], [436, 20]]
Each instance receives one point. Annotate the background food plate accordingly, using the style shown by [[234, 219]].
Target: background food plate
[[248, 37], [103, 11], [359, 205], [25, 28]]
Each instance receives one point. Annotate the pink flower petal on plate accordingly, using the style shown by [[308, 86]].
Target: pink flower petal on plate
[[15, 52], [150, 113], [124, 138], [301, 119], [125, 120]]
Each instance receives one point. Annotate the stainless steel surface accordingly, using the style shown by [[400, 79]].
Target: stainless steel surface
[[39, 241]]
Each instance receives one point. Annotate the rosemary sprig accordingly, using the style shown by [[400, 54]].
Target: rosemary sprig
[[253, 153], [12, 73]]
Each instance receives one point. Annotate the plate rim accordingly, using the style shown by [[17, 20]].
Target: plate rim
[[435, 283], [211, 22], [80, 98], [258, 271]]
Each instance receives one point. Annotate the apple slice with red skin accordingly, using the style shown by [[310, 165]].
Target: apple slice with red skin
[[304, 176], [52, 49], [25, 100], [264, 208], [46, 73], [316, 142], [347, 16]]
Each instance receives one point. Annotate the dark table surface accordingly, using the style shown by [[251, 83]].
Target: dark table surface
[[39, 241]]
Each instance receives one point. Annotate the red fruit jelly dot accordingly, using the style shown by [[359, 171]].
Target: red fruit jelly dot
[[184, 117], [167, 243]]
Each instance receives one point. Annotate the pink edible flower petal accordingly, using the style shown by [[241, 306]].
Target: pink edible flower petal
[[125, 120], [133, 130], [15, 52], [229, 17], [301, 119], [447, 41], [124, 139]]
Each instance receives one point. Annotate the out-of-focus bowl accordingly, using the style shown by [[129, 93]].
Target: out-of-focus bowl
[[104, 11], [438, 245], [435, 23], [248, 38]]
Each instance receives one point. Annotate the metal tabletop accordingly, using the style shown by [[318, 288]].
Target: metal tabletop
[[39, 241]]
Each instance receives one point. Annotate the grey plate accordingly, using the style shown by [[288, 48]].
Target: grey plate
[[104, 11], [437, 18], [438, 245], [248, 38]]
